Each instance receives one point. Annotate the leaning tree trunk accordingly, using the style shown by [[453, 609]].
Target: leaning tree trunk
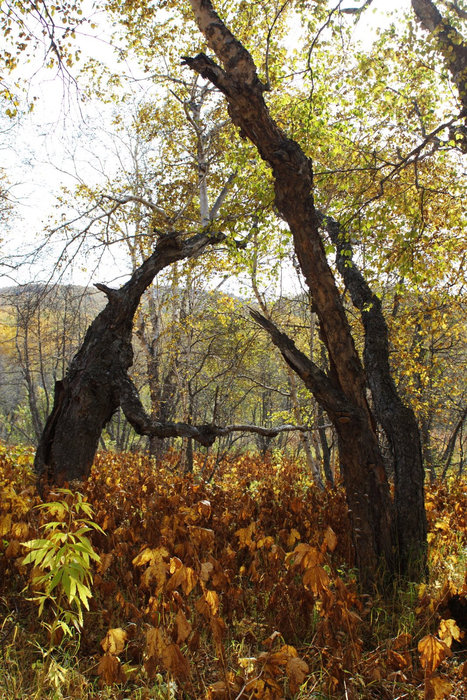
[[97, 381], [342, 393]]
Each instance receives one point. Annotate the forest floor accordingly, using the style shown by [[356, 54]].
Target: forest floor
[[239, 588]]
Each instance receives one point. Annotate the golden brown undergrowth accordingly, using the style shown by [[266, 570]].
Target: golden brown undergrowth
[[242, 588]]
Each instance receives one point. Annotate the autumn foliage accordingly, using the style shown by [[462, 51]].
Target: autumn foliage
[[240, 588]]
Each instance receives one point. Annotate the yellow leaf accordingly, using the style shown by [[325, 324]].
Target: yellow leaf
[[305, 555], [5, 524], [183, 627], [114, 641], [20, 531], [155, 642], [202, 536], [448, 630], [432, 652], [398, 661], [150, 555], [156, 572], [212, 599], [245, 535], [437, 688], [292, 537], [204, 508], [330, 539], [247, 663]]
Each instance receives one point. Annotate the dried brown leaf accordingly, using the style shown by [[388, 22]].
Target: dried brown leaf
[[183, 627], [316, 578], [330, 539], [110, 669], [296, 670], [437, 688]]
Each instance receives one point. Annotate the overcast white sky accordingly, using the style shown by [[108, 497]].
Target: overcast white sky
[[37, 161]]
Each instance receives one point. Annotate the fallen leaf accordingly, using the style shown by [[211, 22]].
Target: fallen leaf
[[271, 639], [183, 627], [20, 531], [206, 570], [114, 641], [104, 563], [448, 630], [204, 508], [156, 572], [402, 641], [155, 642], [175, 662]]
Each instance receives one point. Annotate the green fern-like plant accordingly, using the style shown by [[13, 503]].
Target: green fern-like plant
[[64, 557]]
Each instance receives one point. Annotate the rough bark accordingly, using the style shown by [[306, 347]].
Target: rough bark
[[397, 419]]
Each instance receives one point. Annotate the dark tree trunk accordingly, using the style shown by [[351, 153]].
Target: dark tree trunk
[[97, 381], [398, 421], [325, 449]]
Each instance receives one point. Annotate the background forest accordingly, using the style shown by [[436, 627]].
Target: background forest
[[233, 255]]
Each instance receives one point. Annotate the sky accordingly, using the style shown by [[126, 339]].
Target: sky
[[49, 148]]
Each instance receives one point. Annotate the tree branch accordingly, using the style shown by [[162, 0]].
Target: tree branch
[[204, 434], [355, 10], [323, 389]]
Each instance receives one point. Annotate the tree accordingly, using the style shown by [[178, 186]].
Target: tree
[[29, 26], [97, 381], [342, 392]]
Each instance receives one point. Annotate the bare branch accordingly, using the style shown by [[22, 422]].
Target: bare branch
[[204, 434], [221, 197]]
